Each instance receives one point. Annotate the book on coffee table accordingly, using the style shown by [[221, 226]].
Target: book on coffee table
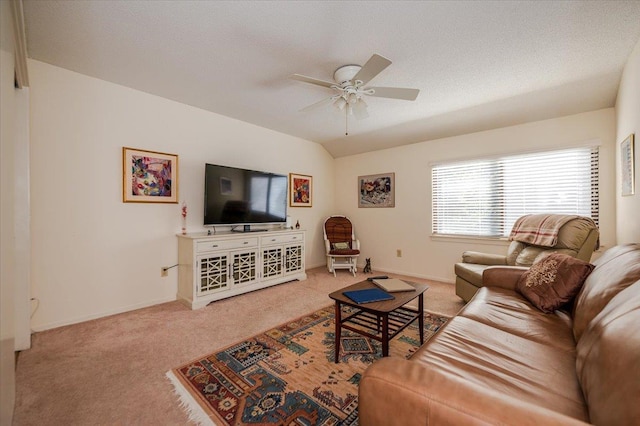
[[368, 295], [393, 284]]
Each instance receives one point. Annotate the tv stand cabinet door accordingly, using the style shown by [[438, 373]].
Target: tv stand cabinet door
[[271, 262], [244, 267], [293, 259], [212, 273]]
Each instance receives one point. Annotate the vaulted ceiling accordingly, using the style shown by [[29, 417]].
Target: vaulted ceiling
[[478, 64]]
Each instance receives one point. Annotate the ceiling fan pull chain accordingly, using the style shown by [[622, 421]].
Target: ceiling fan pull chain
[[346, 122]]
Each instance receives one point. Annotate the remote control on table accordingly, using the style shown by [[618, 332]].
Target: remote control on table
[[380, 277]]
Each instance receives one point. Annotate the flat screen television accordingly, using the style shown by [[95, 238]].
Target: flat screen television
[[235, 196]]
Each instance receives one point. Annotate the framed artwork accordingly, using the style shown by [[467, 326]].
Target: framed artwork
[[149, 176], [300, 188], [377, 190], [628, 167]]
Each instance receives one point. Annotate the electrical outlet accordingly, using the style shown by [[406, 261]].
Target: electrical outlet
[[398, 253], [164, 271]]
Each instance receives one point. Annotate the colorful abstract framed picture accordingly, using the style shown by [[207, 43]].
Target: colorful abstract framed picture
[[300, 190], [149, 176], [627, 159], [377, 190]]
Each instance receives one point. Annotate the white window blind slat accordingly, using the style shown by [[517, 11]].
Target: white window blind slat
[[485, 197]]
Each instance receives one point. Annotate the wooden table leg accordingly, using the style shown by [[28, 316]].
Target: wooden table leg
[[385, 334], [338, 321], [421, 318]]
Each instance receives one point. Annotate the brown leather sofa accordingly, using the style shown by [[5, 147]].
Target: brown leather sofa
[[503, 361], [578, 238]]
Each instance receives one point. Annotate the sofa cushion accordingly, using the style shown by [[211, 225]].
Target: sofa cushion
[[616, 269], [507, 310], [608, 361], [554, 281], [491, 358]]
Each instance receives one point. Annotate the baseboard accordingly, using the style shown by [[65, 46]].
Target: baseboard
[[392, 271], [413, 274], [77, 320]]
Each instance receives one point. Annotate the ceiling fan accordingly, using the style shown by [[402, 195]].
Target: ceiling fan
[[350, 87]]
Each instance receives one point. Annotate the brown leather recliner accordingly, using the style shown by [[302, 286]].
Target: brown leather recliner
[[578, 237]]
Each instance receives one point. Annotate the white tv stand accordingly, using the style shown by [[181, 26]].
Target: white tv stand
[[213, 267]]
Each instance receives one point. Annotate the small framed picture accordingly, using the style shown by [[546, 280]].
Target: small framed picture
[[149, 176], [300, 190], [627, 159], [377, 190]]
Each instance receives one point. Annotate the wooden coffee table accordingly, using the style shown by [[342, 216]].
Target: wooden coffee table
[[386, 319]]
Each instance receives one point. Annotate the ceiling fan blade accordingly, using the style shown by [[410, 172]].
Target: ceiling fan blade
[[374, 66], [320, 103], [312, 80], [395, 93]]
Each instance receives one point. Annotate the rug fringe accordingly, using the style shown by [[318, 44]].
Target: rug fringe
[[188, 404]]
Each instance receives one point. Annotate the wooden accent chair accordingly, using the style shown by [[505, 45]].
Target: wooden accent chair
[[340, 244]]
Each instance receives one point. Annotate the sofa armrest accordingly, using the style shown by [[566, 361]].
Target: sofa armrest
[[502, 276], [396, 391], [483, 258]]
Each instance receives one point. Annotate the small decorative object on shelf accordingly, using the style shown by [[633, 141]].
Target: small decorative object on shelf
[[297, 224], [184, 218]]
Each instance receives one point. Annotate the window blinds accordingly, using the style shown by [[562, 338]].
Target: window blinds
[[485, 197]]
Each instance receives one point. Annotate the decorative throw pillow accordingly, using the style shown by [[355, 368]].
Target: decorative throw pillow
[[554, 281], [341, 246]]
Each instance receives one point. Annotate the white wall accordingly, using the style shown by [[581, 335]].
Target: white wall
[[94, 255], [408, 226], [628, 121], [7, 270]]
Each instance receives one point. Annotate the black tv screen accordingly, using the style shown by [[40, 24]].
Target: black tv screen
[[234, 196]]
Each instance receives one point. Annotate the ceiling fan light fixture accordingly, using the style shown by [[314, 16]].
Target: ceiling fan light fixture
[[360, 110], [340, 103], [352, 98]]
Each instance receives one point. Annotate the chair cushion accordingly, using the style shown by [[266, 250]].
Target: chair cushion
[[554, 281], [344, 252], [532, 254]]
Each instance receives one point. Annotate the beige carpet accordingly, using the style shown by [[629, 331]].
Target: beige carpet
[[112, 370]]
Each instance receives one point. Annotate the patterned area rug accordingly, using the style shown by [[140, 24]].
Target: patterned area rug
[[286, 375]]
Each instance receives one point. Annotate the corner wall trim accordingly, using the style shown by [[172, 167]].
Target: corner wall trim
[[20, 41]]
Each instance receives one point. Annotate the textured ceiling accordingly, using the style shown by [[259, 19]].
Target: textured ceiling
[[479, 64]]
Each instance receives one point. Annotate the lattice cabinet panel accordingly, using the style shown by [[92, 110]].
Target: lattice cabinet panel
[[213, 273], [271, 262], [245, 267], [294, 259]]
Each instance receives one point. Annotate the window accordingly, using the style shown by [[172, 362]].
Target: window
[[485, 197]]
